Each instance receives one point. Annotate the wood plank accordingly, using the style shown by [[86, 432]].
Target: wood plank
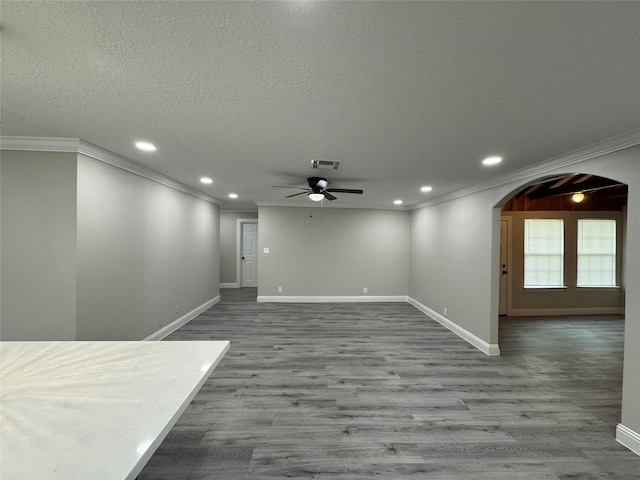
[[361, 391]]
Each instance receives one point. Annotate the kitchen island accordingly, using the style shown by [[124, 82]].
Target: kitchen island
[[94, 410]]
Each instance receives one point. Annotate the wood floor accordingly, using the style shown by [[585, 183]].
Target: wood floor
[[361, 391]]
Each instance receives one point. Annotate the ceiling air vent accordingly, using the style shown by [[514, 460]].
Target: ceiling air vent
[[325, 164]]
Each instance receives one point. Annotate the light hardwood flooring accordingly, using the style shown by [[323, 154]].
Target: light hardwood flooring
[[361, 391]]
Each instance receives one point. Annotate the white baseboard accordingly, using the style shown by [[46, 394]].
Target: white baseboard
[[628, 438], [333, 299], [486, 348], [552, 312], [229, 285], [173, 326]]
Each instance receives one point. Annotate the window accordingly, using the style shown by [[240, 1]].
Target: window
[[596, 253], [543, 253]]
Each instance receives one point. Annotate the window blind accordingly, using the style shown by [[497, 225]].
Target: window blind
[[543, 253], [596, 253]]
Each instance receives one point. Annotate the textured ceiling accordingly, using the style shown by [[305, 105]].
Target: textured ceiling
[[402, 93]]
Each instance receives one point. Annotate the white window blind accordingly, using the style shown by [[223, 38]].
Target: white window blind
[[543, 253], [596, 253]]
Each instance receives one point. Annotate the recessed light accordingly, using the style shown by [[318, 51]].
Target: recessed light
[[426, 189], [491, 161], [146, 146], [233, 195], [206, 180], [397, 202]]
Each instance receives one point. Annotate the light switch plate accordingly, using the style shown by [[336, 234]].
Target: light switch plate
[[265, 250]]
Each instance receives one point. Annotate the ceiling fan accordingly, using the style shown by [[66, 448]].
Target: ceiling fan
[[318, 190]]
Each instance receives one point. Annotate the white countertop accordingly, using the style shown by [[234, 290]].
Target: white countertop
[[94, 410]]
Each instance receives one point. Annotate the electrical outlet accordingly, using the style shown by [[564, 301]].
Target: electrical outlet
[[446, 312], [364, 290], [279, 289]]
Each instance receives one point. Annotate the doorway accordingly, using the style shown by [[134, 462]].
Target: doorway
[[567, 322], [247, 253], [564, 271], [505, 241]]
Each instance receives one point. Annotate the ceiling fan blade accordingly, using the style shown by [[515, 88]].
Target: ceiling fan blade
[[344, 190], [328, 196], [295, 194]]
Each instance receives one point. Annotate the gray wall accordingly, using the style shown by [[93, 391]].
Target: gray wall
[[38, 264], [93, 252], [451, 249], [570, 300], [333, 252], [455, 251], [147, 254], [228, 243]]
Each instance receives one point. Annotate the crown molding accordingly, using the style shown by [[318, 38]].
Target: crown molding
[[614, 144], [97, 153], [75, 145], [40, 144], [317, 205], [226, 209]]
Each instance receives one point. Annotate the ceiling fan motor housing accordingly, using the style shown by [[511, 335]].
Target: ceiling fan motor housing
[[317, 184]]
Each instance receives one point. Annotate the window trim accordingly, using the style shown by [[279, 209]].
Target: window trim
[[545, 288]]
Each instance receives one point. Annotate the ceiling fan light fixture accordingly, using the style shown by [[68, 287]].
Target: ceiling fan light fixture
[[577, 197], [316, 197]]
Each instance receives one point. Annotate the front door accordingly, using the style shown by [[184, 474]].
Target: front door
[[249, 255]]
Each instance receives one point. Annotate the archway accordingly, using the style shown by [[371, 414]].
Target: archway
[[575, 290], [591, 231]]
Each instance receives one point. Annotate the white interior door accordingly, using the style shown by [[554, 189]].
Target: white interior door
[[504, 266], [249, 255]]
